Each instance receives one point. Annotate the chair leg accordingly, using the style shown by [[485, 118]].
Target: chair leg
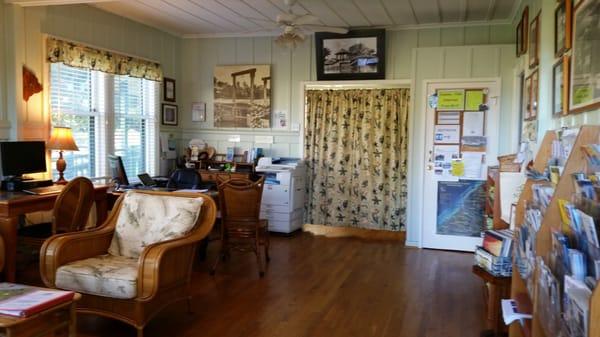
[[261, 268], [267, 245]]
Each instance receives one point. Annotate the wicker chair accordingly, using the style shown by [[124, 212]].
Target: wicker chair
[[70, 214], [241, 226], [131, 289]]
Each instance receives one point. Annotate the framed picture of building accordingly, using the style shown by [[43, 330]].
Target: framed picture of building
[[242, 96], [357, 55], [584, 91]]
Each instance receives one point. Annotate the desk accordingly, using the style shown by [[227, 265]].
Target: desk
[[14, 204]]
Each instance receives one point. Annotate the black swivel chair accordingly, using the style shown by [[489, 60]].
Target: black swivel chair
[[186, 179]]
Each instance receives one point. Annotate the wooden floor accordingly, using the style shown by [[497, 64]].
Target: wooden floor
[[330, 287]]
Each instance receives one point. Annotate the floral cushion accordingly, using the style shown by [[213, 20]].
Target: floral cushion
[[104, 275], [146, 219]]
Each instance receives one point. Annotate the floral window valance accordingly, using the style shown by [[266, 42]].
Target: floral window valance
[[81, 56]]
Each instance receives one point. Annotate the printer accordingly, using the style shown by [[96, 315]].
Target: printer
[[283, 194]]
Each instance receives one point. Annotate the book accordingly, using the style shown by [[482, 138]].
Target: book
[[23, 301]]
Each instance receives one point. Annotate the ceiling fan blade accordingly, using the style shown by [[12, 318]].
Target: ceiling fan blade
[[286, 18], [328, 29], [306, 19]]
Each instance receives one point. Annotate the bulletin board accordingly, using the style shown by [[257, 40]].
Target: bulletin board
[[460, 141]]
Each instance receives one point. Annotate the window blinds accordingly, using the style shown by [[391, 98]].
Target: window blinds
[[108, 114]]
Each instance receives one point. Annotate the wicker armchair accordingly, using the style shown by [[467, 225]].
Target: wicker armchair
[[132, 290]]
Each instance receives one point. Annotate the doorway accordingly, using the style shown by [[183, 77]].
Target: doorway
[[462, 123]]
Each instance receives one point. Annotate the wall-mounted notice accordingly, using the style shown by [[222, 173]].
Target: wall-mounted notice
[[447, 134], [474, 99], [448, 117], [451, 100], [234, 138], [473, 123]]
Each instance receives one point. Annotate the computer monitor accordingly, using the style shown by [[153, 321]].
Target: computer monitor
[[20, 158], [117, 170]]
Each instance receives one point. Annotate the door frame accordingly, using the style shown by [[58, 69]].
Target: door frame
[[424, 103]]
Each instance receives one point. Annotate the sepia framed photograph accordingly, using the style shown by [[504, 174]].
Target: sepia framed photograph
[[169, 90], [525, 30], [242, 96], [533, 86], [560, 87], [169, 114], [357, 55], [562, 27], [519, 38], [534, 45], [584, 93]]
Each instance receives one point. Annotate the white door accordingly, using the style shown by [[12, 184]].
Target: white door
[[459, 147]]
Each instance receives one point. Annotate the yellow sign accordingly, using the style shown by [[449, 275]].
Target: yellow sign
[[582, 94], [451, 100], [458, 168], [474, 100]]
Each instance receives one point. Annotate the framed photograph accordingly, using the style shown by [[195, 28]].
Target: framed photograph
[[584, 91], [519, 38], [242, 96], [527, 98], [199, 112], [534, 82], [562, 27], [169, 114], [525, 30], [560, 87], [534, 46], [169, 90], [358, 55]]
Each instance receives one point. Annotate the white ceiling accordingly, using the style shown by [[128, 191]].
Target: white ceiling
[[208, 18]]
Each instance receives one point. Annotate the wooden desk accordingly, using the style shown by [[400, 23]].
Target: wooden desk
[[60, 320], [14, 204]]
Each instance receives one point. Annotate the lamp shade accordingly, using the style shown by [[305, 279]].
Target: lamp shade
[[62, 139]]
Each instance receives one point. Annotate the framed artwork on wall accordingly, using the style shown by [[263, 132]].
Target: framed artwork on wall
[[562, 27], [525, 30], [169, 114], [169, 90], [242, 96], [531, 87], [357, 55], [585, 70], [560, 87], [519, 38], [534, 46]]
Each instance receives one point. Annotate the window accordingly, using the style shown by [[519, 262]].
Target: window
[[108, 114]]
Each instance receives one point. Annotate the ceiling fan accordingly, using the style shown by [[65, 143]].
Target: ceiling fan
[[295, 27]]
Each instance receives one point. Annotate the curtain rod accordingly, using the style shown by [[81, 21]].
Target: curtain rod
[[102, 48]]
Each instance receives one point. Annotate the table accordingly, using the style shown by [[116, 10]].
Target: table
[[15, 204], [60, 320], [498, 289]]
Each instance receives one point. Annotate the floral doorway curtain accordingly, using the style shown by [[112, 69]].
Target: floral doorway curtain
[[356, 149]]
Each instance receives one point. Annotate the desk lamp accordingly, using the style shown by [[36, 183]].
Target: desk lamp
[[61, 139]]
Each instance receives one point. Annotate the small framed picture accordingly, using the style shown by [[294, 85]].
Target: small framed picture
[[525, 30], [534, 46], [519, 38], [169, 94], [560, 87], [199, 112], [169, 114], [562, 27], [533, 86]]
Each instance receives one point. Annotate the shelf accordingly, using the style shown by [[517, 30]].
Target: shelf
[[525, 306]]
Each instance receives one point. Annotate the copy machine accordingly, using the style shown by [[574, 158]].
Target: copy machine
[[283, 195]]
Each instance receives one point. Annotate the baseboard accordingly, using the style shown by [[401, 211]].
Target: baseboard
[[362, 233]]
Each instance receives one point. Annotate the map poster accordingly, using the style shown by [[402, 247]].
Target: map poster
[[461, 208]]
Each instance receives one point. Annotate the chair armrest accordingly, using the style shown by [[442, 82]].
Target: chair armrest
[[169, 263], [61, 249]]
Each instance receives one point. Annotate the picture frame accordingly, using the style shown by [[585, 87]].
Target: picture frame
[[169, 114], [534, 38], [199, 112], [357, 55], [562, 27], [583, 95], [560, 87], [169, 90], [531, 98], [519, 38], [525, 30]]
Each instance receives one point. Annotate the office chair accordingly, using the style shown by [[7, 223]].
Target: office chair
[[185, 179]]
